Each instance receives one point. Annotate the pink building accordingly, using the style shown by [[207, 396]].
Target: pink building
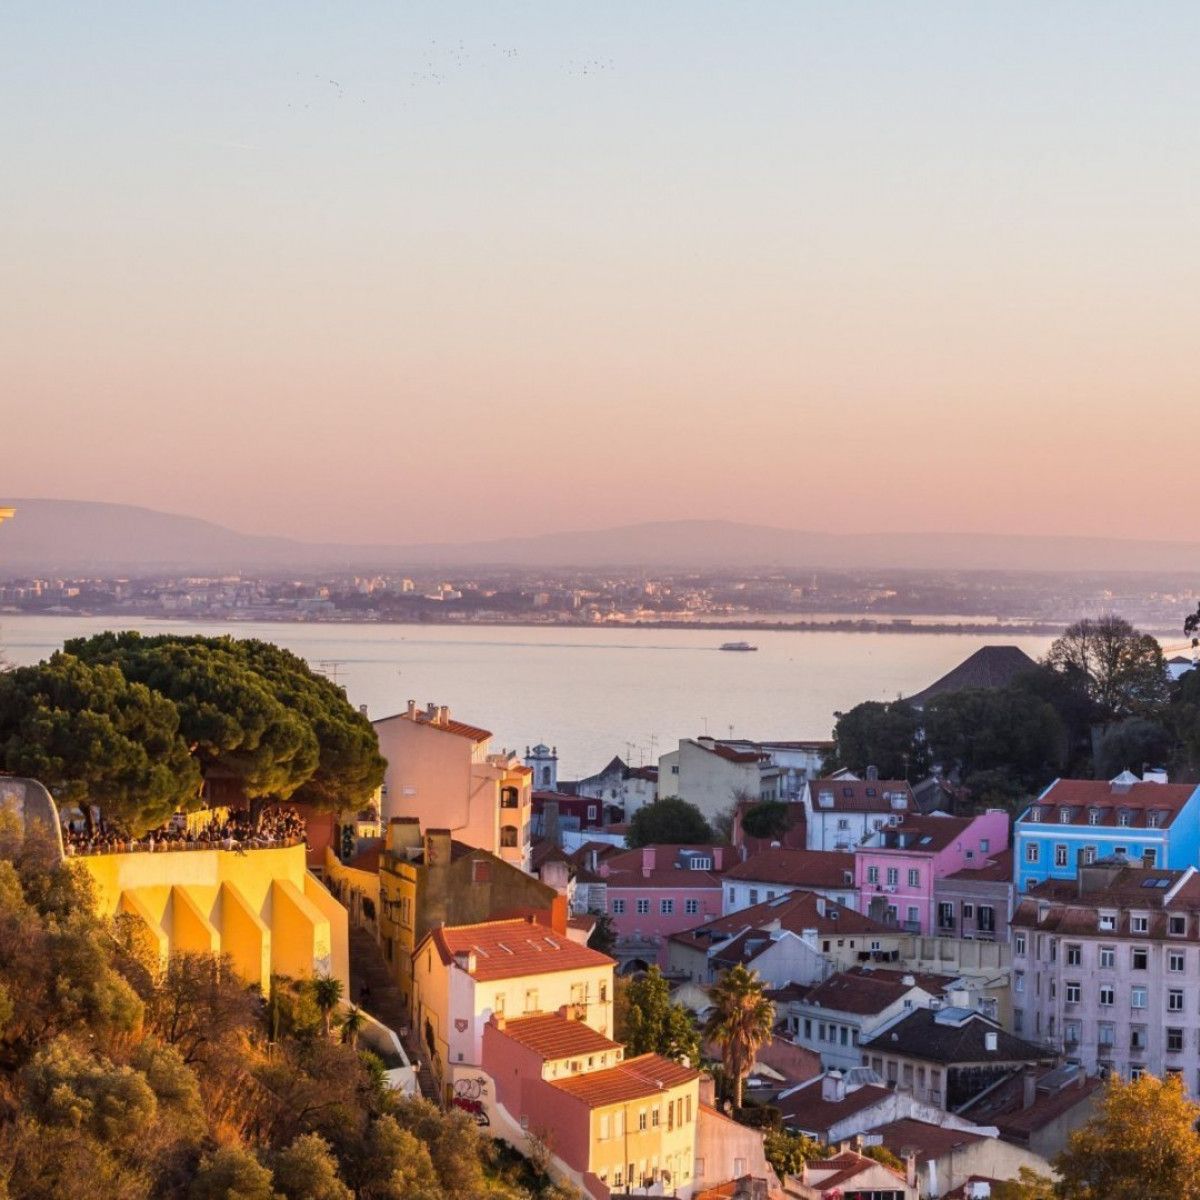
[[657, 891], [896, 868]]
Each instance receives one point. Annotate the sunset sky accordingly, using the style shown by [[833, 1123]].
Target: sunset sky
[[407, 272]]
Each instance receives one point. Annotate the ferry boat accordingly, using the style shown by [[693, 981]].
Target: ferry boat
[[742, 646]]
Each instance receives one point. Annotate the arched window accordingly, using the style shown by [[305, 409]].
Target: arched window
[[509, 797], [545, 777], [508, 835]]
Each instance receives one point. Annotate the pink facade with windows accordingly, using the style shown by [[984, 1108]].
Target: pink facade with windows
[[657, 891], [896, 868]]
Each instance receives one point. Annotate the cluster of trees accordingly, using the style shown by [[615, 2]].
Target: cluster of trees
[[1100, 701], [669, 820], [132, 1082], [134, 725]]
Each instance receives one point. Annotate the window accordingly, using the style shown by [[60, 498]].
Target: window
[[732, 896], [1139, 924], [1108, 921], [1093, 816], [531, 1000], [893, 876], [1106, 1033], [618, 907], [508, 835], [1019, 981], [914, 915], [770, 895], [1174, 1040], [1074, 955], [914, 877], [968, 912], [1122, 818], [1136, 1071], [1108, 956], [1060, 855], [654, 1116], [1137, 997], [1152, 820], [691, 907], [604, 1127], [1139, 958], [1064, 816], [872, 874], [1074, 993], [1107, 996], [641, 1126], [643, 907], [1176, 962], [1175, 1000], [1031, 852], [754, 895], [984, 845], [1019, 944], [1177, 926], [591, 809], [987, 919], [1035, 815], [1089, 854], [666, 907], [843, 823]]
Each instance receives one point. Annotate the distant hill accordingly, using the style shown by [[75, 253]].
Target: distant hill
[[82, 536]]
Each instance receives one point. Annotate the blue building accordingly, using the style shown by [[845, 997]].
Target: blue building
[[1148, 821]]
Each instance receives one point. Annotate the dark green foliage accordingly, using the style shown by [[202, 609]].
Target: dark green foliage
[[766, 820], [788, 1152], [89, 733], [1132, 745], [669, 820], [885, 736], [604, 936], [652, 1024]]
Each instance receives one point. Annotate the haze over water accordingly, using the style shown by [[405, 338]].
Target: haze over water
[[592, 692]]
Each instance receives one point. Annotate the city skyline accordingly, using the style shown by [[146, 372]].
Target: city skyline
[[464, 272]]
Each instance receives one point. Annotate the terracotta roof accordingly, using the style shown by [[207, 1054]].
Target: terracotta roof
[[859, 795], [867, 991], [508, 949], [918, 835], [645, 1075], [805, 1108], [1136, 800], [928, 1140], [730, 754], [988, 667], [460, 728], [836, 1171], [554, 1036], [624, 869], [1056, 1092], [796, 912], [996, 869], [367, 859], [931, 1035], [802, 868]]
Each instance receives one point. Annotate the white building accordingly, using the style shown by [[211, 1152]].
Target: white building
[[843, 812]]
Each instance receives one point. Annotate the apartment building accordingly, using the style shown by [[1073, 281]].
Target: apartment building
[[779, 872], [842, 812], [1106, 968], [897, 866], [977, 901], [442, 772], [1147, 821]]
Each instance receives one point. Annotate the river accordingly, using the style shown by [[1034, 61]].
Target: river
[[592, 693]]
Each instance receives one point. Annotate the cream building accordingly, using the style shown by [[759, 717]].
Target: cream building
[[441, 772]]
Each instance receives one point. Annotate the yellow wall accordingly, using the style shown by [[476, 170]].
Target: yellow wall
[[262, 907], [659, 1147]]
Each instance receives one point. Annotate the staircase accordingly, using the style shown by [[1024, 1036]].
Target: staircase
[[384, 1003]]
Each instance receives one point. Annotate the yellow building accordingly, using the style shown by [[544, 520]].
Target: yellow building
[[262, 907], [441, 772]]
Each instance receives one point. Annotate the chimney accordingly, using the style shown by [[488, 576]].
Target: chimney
[[443, 714], [465, 961], [498, 1020], [991, 1041], [910, 1166], [708, 1091], [718, 853], [437, 848], [908, 980], [412, 710], [1028, 1087], [569, 1012], [403, 834], [362, 708], [833, 1086], [820, 906], [431, 711], [648, 859], [873, 773]]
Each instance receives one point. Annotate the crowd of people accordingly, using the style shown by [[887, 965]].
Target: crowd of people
[[234, 831]]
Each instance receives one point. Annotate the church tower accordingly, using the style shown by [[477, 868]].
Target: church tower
[[543, 762]]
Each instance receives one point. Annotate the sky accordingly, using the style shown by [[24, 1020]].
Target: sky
[[417, 272]]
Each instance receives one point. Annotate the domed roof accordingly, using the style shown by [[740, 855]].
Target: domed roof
[[540, 751]]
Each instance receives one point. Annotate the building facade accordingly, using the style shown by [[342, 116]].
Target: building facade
[[778, 872], [842, 812]]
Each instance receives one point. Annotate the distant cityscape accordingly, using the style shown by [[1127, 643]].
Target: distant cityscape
[[916, 601]]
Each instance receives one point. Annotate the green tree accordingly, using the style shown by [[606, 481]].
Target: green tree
[[1140, 1145], [352, 1025], [604, 937], [1028, 1185], [653, 1025], [788, 1152], [1123, 668], [394, 1164], [669, 820], [768, 819], [307, 1170], [880, 735], [327, 993], [232, 1174], [1006, 731], [740, 1023], [881, 1154], [93, 737], [1132, 744]]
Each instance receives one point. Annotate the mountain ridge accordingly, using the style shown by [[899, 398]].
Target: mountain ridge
[[84, 535]]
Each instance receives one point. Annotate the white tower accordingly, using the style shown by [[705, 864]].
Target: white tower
[[543, 762]]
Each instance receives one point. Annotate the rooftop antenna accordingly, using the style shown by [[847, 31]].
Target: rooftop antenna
[[331, 668], [705, 720]]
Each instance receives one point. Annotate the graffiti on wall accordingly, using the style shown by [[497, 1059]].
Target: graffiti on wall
[[469, 1095]]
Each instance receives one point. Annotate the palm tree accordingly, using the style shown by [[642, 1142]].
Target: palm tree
[[352, 1024], [740, 1023], [327, 994]]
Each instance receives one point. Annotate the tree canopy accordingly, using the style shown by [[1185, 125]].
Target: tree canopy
[[652, 1024], [1123, 669], [669, 820], [885, 736], [740, 1023], [90, 734]]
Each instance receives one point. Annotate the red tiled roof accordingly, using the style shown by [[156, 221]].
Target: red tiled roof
[[918, 835], [996, 869], [508, 949], [645, 1075], [461, 728], [859, 795], [928, 1140], [1138, 799], [845, 1166], [554, 1036], [624, 869], [806, 1109], [865, 991], [803, 868]]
